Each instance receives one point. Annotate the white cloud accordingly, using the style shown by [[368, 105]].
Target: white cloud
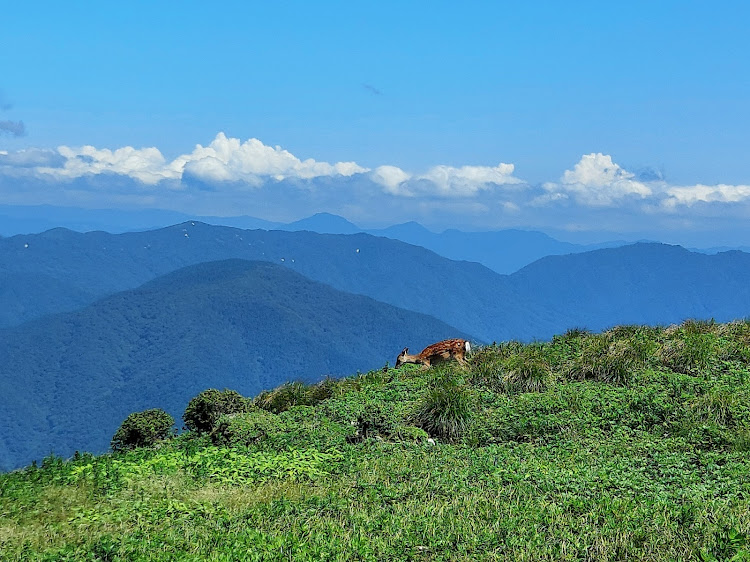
[[467, 180], [147, 165], [391, 178], [444, 181], [598, 182], [227, 159], [722, 193], [230, 176]]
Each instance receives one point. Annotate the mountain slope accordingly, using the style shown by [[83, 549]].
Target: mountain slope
[[324, 223], [643, 283], [67, 381], [503, 251]]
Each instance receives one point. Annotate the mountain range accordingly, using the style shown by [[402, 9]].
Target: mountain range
[[503, 251], [61, 270]]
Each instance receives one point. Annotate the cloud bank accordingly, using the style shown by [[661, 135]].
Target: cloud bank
[[233, 177]]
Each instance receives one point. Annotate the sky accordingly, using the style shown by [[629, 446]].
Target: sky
[[626, 119]]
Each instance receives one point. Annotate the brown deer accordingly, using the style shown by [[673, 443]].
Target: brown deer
[[436, 353]]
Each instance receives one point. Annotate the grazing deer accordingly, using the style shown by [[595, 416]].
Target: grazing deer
[[436, 353]]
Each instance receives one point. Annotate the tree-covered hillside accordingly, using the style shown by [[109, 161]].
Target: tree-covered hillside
[[632, 444], [68, 380]]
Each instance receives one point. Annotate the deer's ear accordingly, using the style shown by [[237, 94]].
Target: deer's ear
[[405, 351]]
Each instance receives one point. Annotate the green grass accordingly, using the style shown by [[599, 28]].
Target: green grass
[[633, 444]]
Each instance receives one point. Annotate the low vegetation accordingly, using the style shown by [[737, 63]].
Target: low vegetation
[[631, 444], [143, 429]]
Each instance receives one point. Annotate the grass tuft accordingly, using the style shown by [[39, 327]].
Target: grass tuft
[[446, 410], [528, 370]]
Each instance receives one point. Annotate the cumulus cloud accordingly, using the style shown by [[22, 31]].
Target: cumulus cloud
[[15, 128], [252, 163], [227, 159], [599, 182], [444, 181], [390, 178], [690, 195], [230, 176], [147, 165], [223, 160]]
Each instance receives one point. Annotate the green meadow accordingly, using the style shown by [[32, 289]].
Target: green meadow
[[631, 444]]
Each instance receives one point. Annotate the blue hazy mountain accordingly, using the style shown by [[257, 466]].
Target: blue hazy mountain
[[67, 381], [503, 251], [324, 223], [645, 283]]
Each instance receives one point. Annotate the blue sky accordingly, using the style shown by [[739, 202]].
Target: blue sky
[[642, 106]]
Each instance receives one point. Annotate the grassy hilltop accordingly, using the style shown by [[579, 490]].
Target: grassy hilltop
[[629, 444]]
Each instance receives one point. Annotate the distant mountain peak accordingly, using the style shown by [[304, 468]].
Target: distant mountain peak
[[324, 223]]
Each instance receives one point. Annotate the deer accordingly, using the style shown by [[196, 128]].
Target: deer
[[436, 353]]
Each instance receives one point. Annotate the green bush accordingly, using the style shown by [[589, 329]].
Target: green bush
[[446, 411], [142, 429], [246, 428], [486, 363], [203, 411]]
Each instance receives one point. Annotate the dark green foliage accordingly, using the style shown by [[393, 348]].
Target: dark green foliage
[[204, 411], [446, 410], [143, 429]]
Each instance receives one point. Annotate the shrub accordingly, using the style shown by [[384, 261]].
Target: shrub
[[203, 411], [742, 441], [142, 429], [246, 428], [718, 406], [445, 411]]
